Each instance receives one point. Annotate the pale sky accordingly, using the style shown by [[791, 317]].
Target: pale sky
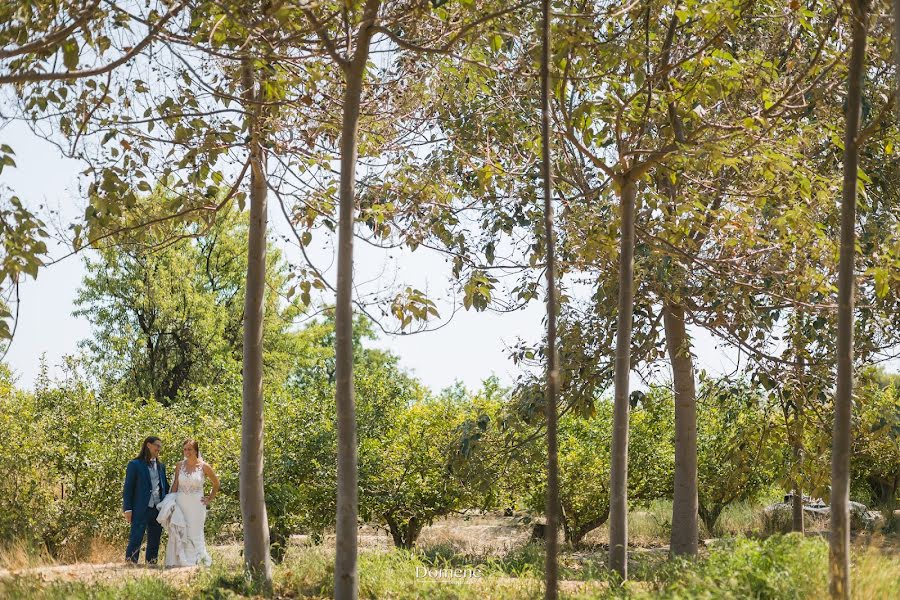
[[472, 347]]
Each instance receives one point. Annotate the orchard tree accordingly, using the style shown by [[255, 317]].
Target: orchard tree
[[738, 458], [843, 407], [551, 567], [402, 30], [166, 308], [876, 441]]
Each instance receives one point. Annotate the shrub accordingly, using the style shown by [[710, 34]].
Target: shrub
[[780, 567]]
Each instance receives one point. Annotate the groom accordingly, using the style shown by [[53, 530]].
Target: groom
[[145, 487]]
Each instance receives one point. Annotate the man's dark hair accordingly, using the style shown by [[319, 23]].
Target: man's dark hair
[[145, 452]]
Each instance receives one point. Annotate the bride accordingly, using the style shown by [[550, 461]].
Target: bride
[[184, 509]]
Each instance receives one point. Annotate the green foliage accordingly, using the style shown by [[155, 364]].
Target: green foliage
[[585, 462], [503, 444], [404, 437], [875, 457], [65, 474], [787, 567], [22, 245], [735, 455], [166, 308], [26, 499], [66, 470]]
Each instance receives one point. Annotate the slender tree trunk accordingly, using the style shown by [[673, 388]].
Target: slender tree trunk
[[685, 535], [552, 501], [253, 502], [618, 510], [897, 49], [799, 392], [346, 584], [346, 578], [797, 524], [840, 452]]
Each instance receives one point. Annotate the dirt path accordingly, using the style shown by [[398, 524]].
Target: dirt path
[[116, 572]]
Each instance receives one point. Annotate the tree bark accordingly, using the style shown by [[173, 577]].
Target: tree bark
[[404, 535], [618, 512], [684, 537], [551, 570], [897, 48], [839, 555], [574, 534], [253, 504], [710, 516], [346, 577], [797, 524], [346, 584]]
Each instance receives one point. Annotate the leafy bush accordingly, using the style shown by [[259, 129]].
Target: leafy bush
[[780, 567], [736, 456], [26, 497], [876, 443]]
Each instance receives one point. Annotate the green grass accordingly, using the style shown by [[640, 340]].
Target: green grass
[[28, 588], [778, 568]]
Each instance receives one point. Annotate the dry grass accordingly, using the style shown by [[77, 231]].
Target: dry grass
[[16, 556], [876, 572], [648, 527], [96, 551], [474, 533]]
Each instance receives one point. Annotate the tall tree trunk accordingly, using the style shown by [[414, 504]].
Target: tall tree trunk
[[797, 524], [253, 502], [552, 501], [618, 490], [840, 452], [685, 535], [897, 48], [346, 578], [346, 584]]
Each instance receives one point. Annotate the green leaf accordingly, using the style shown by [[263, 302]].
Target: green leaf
[[881, 277], [70, 54]]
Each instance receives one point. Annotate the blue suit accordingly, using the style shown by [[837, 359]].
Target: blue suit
[[136, 498]]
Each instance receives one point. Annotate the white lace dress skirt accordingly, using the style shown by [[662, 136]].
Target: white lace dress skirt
[[187, 545]]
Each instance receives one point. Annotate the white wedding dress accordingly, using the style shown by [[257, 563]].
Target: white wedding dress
[[187, 542]]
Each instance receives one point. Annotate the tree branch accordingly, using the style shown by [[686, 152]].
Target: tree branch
[[35, 76]]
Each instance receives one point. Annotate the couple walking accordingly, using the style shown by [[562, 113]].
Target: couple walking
[[149, 505]]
